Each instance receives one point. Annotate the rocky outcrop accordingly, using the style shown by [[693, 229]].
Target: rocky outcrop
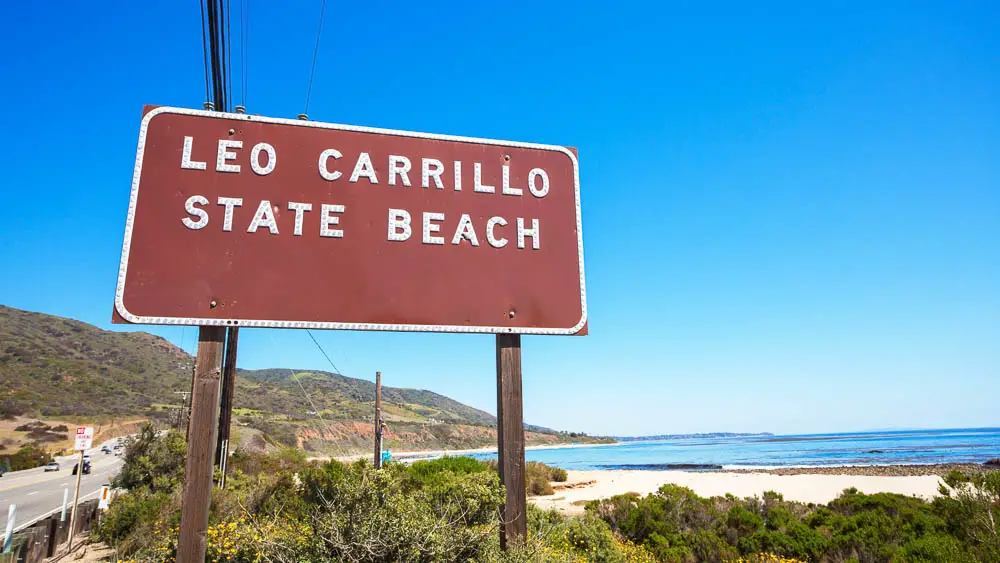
[[940, 469]]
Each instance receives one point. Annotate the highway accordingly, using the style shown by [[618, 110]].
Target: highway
[[37, 493]]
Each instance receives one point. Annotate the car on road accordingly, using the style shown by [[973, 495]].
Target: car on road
[[51, 466], [86, 467]]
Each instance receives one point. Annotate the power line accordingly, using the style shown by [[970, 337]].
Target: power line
[[336, 370], [213, 39], [223, 77], [244, 50], [306, 393], [216, 20], [312, 71], [204, 51], [339, 449], [229, 47]]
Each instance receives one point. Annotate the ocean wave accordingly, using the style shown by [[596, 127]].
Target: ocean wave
[[662, 466]]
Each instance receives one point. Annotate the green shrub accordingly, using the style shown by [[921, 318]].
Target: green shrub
[[588, 536], [970, 508], [400, 514], [558, 474], [128, 522], [427, 470], [934, 548], [27, 457], [677, 525], [280, 507], [250, 463], [538, 477], [152, 461], [537, 483]]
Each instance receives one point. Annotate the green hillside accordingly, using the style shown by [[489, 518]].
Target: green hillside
[[340, 396], [52, 367], [56, 368]]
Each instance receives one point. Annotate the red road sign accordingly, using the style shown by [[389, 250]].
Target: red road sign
[[84, 438], [240, 220]]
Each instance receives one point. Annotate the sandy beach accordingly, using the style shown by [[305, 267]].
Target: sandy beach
[[430, 454], [815, 488]]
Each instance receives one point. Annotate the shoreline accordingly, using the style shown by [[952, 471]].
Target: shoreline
[[807, 486], [899, 470], [872, 470], [432, 454], [492, 449]]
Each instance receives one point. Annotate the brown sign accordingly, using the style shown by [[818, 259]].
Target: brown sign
[[240, 220]]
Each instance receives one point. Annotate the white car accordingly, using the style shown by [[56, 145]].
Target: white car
[[51, 466]]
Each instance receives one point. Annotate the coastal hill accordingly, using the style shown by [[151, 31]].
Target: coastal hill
[[58, 369], [343, 396]]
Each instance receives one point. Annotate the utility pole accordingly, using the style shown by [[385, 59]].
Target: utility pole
[[228, 390], [378, 420], [182, 412]]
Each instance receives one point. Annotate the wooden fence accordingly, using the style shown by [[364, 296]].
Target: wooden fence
[[48, 536]]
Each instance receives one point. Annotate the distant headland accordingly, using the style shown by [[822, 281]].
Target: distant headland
[[691, 436]]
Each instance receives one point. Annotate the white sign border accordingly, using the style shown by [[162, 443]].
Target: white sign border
[[130, 221]]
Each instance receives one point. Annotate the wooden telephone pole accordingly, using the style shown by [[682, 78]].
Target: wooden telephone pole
[[510, 440], [182, 412], [378, 420], [228, 390]]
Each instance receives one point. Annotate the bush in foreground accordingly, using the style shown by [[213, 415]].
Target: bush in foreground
[[677, 525], [280, 507]]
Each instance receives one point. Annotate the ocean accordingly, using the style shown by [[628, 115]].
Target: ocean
[[966, 445]]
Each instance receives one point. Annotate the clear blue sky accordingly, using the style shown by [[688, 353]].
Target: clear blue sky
[[791, 212]]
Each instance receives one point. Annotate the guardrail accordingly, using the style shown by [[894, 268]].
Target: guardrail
[[42, 539]]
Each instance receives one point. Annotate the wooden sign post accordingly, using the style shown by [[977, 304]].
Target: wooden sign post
[[84, 441], [510, 440], [202, 428]]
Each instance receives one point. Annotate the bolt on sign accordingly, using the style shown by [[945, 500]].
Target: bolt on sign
[[240, 220]]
